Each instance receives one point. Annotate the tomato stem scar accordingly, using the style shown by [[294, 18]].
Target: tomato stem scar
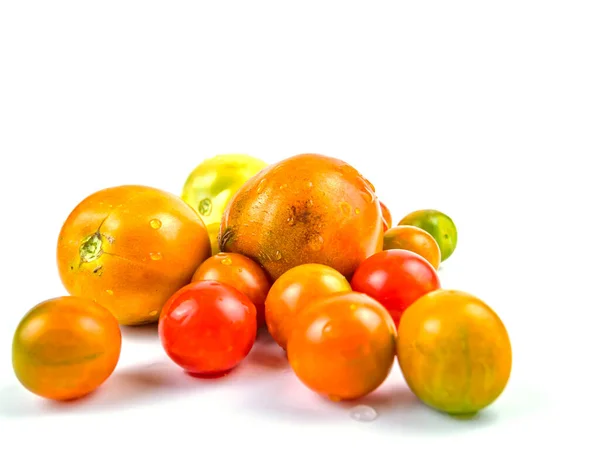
[[91, 248]]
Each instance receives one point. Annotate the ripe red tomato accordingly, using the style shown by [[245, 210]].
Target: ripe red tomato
[[343, 346], [208, 327], [396, 278], [241, 273]]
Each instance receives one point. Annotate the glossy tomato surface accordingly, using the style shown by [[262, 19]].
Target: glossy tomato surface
[[207, 327], [343, 346], [130, 248], [396, 278], [240, 272], [294, 290], [438, 225], [213, 235], [308, 208], [454, 351], [387, 216], [65, 348], [408, 237], [210, 186]]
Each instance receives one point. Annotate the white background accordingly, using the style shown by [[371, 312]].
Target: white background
[[489, 111]]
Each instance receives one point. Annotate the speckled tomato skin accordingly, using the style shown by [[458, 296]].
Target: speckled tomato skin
[[308, 208]]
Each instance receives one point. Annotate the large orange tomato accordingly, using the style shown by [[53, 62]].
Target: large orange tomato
[[65, 348], [454, 352], [130, 248], [309, 208]]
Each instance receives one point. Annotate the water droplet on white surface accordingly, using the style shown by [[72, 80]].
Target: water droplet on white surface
[[363, 413]]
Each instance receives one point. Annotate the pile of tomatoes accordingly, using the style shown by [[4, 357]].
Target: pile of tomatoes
[[133, 255]]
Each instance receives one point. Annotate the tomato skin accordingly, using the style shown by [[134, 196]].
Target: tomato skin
[[210, 186], [343, 346], [408, 237], [438, 225], [396, 278], [130, 248], [454, 351], [387, 216], [66, 347], [241, 273], [207, 327], [213, 230], [294, 290]]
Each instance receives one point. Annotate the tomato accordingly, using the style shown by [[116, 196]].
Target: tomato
[[396, 278], [240, 272], [454, 351], [213, 235], [130, 248], [210, 186], [308, 208], [438, 225], [207, 327], [65, 348], [294, 290], [414, 239], [343, 346], [387, 216]]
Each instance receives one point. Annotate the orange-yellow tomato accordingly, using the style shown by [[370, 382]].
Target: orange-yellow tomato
[[241, 273], [387, 216], [417, 240], [343, 346], [130, 248], [293, 291], [65, 348], [454, 352]]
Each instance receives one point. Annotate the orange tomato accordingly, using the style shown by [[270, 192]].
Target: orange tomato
[[454, 352], [343, 346], [65, 348], [387, 216], [241, 273], [130, 248], [308, 208], [293, 291], [417, 240]]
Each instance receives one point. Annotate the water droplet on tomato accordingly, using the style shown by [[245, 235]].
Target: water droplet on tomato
[[156, 224], [153, 313], [357, 211], [283, 186], [226, 261], [155, 256], [363, 413], [315, 242], [261, 186], [309, 184], [277, 255], [109, 292], [345, 207]]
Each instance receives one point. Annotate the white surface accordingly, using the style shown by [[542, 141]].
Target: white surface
[[486, 110]]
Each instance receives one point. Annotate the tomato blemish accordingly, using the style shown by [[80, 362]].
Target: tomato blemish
[[91, 248]]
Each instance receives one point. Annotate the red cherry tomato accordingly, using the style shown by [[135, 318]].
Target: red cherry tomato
[[208, 327], [396, 278]]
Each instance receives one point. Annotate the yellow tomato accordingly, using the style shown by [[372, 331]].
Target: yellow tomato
[[213, 182]]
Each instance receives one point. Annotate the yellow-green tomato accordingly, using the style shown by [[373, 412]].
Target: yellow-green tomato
[[438, 225], [213, 182]]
